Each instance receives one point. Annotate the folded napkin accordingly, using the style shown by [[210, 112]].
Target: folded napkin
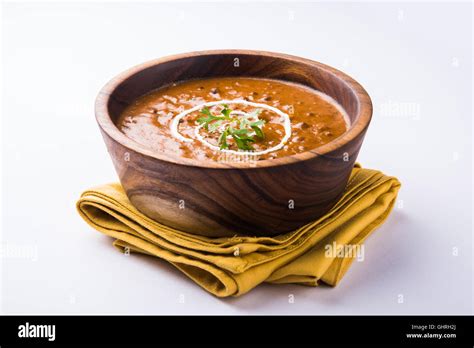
[[232, 266]]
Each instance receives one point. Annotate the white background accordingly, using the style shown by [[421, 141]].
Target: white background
[[57, 56]]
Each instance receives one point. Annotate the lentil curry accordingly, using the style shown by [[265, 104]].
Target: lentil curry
[[206, 118]]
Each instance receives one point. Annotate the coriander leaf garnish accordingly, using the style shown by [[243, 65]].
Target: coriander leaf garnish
[[248, 125], [243, 142], [226, 111], [223, 140], [212, 127], [240, 131], [257, 123], [258, 132], [206, 111], [210, 118]]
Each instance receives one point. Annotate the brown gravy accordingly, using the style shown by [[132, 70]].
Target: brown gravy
[[313, 118]]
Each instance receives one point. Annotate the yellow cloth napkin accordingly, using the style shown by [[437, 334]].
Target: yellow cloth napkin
[[233, 266]]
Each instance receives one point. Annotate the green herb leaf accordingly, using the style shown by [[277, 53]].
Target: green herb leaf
[[243, 143], [205, 110], [223, 140], [258, 123], [258, 132], [242, 137], [210, 117], [226, 111], [214, 126], [240, 131]]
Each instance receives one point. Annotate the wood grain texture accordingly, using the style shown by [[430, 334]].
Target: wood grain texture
[[265, 197]]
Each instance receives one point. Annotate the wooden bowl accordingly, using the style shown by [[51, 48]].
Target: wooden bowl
[[266, 197]]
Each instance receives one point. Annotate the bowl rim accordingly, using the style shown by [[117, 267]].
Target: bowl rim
[[364, 110]]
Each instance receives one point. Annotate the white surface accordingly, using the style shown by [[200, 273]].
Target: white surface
[[55, 59]]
